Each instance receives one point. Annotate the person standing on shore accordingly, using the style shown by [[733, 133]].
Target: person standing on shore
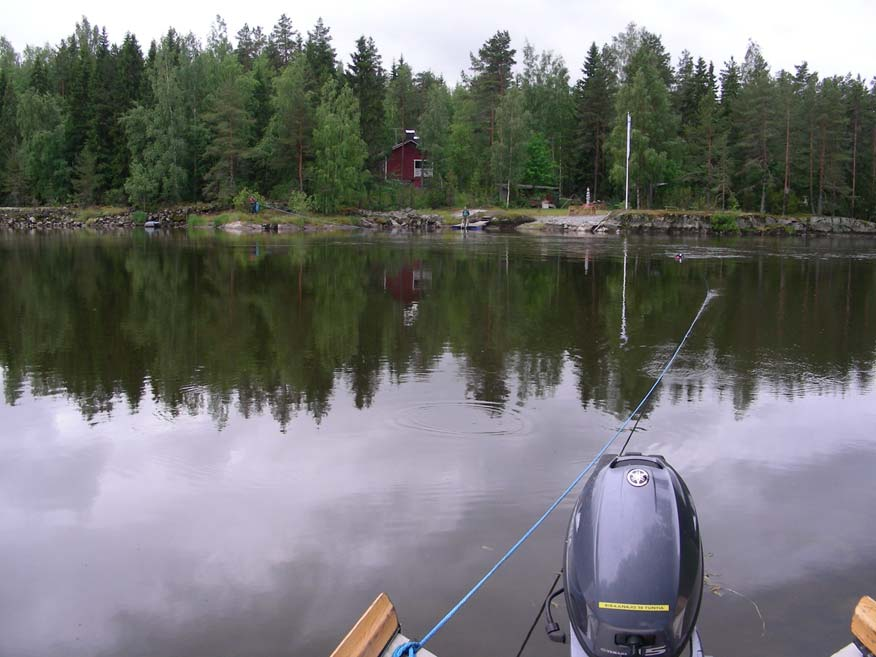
[[465, 214]]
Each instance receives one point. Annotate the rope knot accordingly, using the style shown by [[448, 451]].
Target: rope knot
[[410, 649]]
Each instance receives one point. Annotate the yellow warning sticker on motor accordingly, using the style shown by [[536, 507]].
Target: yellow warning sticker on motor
[[631, 606]]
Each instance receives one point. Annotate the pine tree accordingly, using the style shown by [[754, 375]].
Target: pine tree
[[284, 42], [230, 124], [856, 105], [830, 123], [367, 79], [287, 140], [492, 76], [339, 152]]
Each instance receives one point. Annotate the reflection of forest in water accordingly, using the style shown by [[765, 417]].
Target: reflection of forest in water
[[207, 326]]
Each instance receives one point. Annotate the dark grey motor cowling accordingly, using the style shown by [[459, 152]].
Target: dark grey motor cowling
[[634, 561]]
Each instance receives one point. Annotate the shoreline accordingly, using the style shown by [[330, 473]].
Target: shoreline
[[207, 217]]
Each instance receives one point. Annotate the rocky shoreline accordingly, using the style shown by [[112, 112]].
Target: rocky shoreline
[[66, 218], [624, 221], [631, 221]]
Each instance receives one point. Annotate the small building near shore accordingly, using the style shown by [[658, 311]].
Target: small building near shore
[[406, 163]]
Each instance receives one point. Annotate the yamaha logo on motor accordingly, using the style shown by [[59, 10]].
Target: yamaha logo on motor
[[638, 477]]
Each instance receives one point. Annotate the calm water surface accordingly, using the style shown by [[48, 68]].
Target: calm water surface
[[213, 447]]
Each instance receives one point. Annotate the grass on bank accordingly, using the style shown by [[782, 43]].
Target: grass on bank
[[267, 216], [89, 214]]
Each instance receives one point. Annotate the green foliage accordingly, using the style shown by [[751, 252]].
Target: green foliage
[[300, 202], [645, 96], [230, 124], [288, 138], [98, 121], [539, 165], [509, 151], [367, 79], [139, 216], [724, 223], [340, 153], [241, 200]]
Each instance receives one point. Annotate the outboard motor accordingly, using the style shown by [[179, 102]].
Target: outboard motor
[[634, 563]]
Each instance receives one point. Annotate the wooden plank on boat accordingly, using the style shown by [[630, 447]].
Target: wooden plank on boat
[[371, 634], [864, 623]]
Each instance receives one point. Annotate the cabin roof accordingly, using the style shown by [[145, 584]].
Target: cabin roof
[[406, 141]]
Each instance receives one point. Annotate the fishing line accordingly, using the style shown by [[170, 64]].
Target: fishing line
[[411, 647]]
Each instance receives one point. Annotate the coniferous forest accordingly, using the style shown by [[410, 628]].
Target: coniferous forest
[[275, 112]]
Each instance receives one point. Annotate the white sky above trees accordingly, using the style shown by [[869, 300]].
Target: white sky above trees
[[835, 37]]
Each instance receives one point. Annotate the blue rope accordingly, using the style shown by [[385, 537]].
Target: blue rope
[[410, 648]]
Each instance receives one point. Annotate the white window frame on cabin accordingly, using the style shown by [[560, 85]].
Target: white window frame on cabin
[[422, 169]]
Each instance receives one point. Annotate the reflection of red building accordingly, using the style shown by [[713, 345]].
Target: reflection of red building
[[409, 283], [406, 163]]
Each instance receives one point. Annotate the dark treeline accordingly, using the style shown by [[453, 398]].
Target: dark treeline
[[276, 113]]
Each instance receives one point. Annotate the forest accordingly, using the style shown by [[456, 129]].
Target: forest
[[279, 115]]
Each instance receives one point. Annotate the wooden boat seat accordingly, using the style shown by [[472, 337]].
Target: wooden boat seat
[[376, 634]]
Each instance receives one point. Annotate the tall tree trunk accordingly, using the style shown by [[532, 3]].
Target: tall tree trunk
[[764, 163], [596, 162], [811, 167], [709, 166], [300, 149], [821, 171], [787, 188], [854, 159]]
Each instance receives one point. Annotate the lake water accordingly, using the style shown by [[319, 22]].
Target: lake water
[[215, 447]]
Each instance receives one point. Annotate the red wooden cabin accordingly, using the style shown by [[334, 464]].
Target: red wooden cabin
[[406, 163]]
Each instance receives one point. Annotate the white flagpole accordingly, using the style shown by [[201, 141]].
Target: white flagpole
[[627, 189]]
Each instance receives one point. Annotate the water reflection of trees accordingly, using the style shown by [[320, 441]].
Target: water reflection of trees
[[207, 327]]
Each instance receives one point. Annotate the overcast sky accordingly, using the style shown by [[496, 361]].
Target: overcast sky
[[834, 37]]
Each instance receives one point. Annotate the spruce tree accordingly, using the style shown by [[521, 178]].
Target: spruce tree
[[594, 117], [367, 79], [320, 57], [757, 127]]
